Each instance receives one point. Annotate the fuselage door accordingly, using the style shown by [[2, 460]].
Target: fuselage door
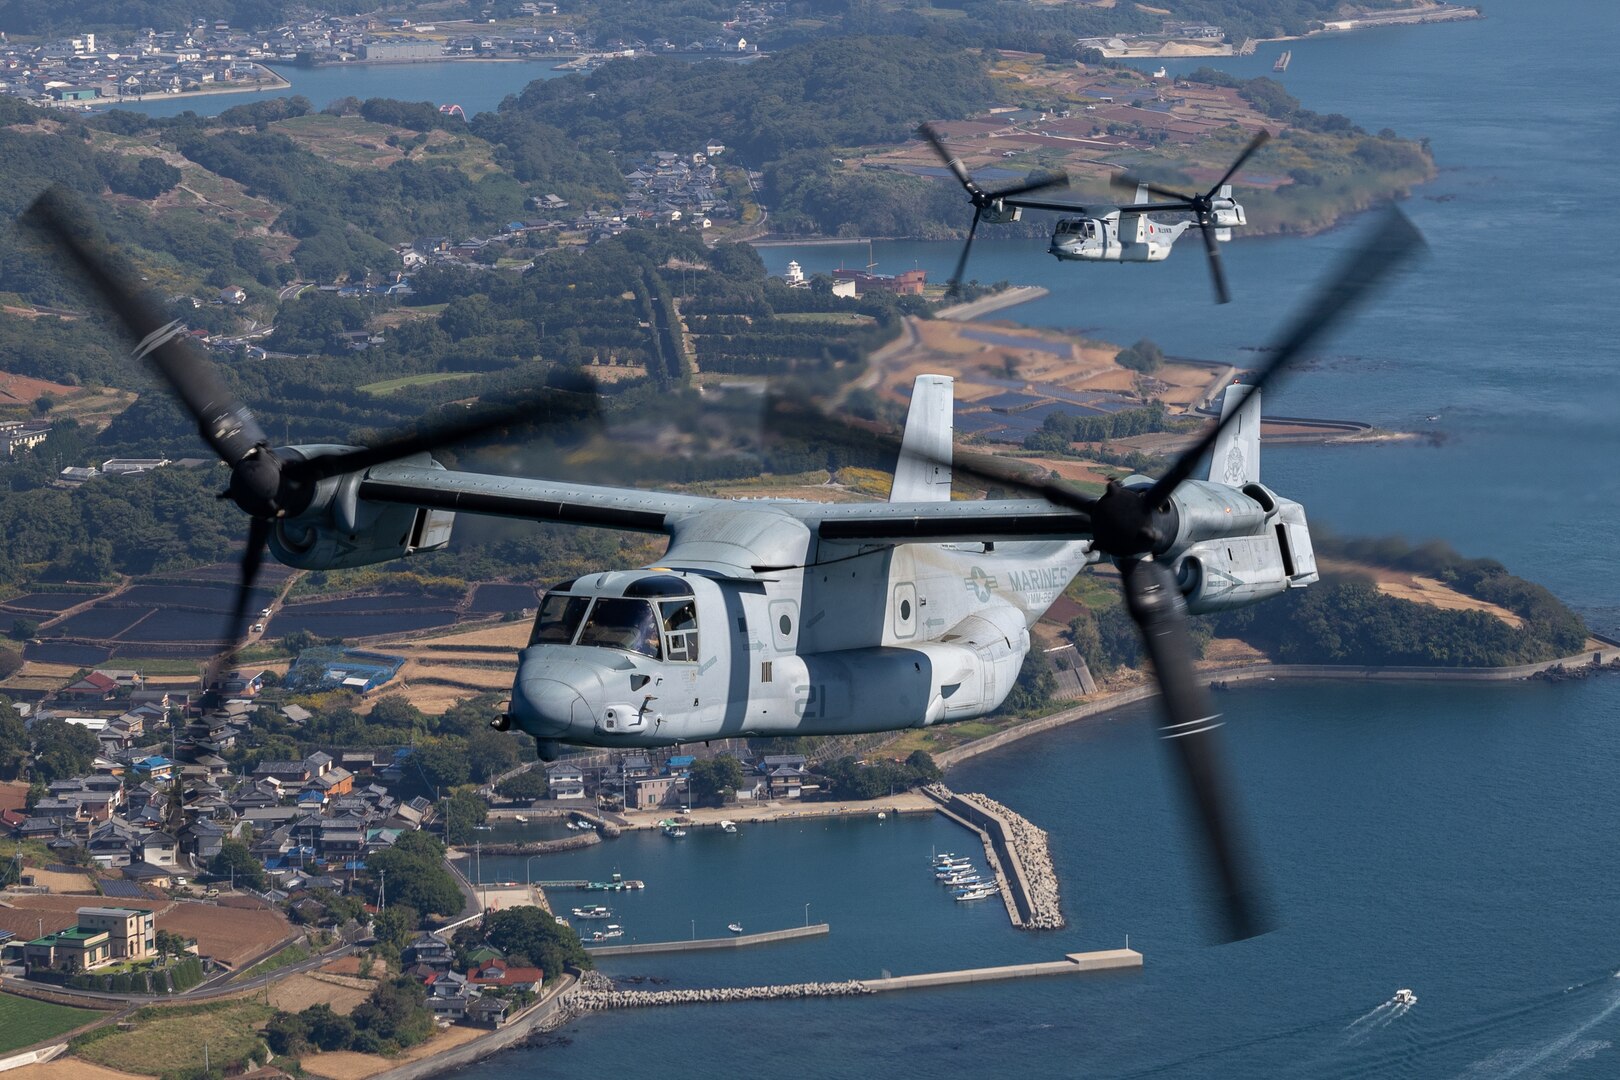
[[905, 610]]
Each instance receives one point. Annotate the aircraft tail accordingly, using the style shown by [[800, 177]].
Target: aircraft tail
[[1235, 461], [923, 473]]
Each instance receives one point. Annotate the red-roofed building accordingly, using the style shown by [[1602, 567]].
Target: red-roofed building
[[498, 973], [95, 686]]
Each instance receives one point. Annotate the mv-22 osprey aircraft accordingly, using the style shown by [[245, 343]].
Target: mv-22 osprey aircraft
[[777, 617], [1117, 232]]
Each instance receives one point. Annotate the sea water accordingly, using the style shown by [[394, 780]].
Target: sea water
[[1451, 838]]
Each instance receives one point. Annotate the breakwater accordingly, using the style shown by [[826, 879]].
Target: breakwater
[[595, 992], [1017, 853]]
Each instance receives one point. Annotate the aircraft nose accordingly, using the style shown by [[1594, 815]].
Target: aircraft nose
[[554, 696], [546, 707]]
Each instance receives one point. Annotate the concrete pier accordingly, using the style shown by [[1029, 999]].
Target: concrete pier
[[736, 941], [1071, 964]]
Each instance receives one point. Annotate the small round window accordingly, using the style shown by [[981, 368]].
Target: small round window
[[905, 611], [786, 625]]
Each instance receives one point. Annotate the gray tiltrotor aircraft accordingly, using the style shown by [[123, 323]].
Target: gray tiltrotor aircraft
[[774, 617], [1116, 233]]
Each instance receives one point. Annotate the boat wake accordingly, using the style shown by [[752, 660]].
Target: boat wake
[[1381, 1017]]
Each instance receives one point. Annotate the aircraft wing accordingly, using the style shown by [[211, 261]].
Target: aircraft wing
[[942, 522], [529, 499], [1101, 208]]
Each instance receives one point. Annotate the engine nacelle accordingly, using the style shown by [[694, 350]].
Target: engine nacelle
[[1206, 511], [998, 214], [340, 530], [1227, 214], [1234, 572]]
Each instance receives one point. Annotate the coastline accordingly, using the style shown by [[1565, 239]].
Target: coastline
[[1267, 671]]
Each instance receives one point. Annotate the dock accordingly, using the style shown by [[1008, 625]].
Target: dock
[[736, 941], [1071, 964]]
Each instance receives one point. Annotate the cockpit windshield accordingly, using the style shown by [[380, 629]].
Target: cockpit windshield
[[622, 623], [559, 619]]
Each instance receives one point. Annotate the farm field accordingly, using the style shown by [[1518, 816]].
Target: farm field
[[298, 992], [347, 1065], [24, 1021], [171, 1040]]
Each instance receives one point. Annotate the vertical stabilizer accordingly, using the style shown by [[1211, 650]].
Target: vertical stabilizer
[[923, 473], [1235, 461]]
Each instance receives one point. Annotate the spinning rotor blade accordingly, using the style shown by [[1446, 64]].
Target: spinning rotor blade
[[1255, 143], [438, 437], [1394, 240], [1217, 271], [252, 559], [224, 423], [955, 283], [951, 161], [263, 484], [1190, 732], [981, 198]]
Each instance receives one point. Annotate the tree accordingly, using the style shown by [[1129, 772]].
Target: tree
[[441, 763], [237, 862], [465, 811], [170, 943], [1088, 641], [712, 777], [1144, 356], [13, 741], [397, 1015], [394, 924], [1032, 691], [526, 786], [62, 750], [416, 875], [531, 933]]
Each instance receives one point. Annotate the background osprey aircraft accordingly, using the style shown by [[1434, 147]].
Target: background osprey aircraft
[[1118, 233], [774, 617]]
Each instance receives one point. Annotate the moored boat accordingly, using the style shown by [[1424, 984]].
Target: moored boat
[[735, 928], [594, 911]]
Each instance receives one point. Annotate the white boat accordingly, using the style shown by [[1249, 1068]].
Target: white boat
[[1404, 996], [520, 819], [958, 883], [560, 920], [956, 871], [944, 869], [941, 857], [674, 832], [728, 826], [735, 927], [595, 911], [976, 894], [572, 827], [612, 931]]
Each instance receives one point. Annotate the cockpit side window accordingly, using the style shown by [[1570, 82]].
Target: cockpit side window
[[680, 627], [626, 624], [559, 619]]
